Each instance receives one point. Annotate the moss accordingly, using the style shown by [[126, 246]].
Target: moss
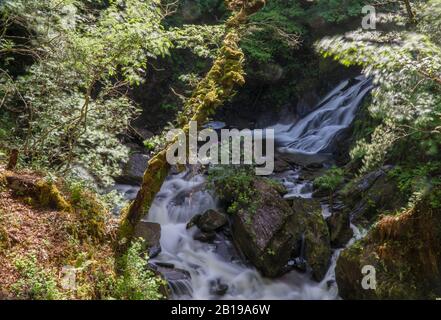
[[405, 250], [48, 195]]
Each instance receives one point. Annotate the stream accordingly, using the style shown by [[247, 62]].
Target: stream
[[215, 270]]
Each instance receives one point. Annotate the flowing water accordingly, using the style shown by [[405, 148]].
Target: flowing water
[[214, 271]]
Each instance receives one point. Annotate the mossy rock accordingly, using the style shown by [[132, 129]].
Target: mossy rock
[[272, 235], [404, 249]]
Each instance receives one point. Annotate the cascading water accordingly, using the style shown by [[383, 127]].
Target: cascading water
[[216, 265], [214, 271], [311, 138]]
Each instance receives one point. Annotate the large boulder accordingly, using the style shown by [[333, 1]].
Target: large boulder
[[271, 235], [404, 249], [133, 170]]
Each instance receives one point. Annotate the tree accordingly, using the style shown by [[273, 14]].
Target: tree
[[217, 86]]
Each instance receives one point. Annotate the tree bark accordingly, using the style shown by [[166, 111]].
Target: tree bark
[[409, 11]]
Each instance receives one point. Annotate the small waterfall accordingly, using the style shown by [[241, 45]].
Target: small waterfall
[[311, 138]]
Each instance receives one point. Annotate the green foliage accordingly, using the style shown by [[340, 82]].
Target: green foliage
[[338, 11], [405, 67], [137, 282], [331, 180], [35, 282], [273, 31], [70, 101], [234, 185], [415, 182], [202, 40]]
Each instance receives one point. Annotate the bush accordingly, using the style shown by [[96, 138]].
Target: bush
[[35, 282], [137, 282], [331, 180]]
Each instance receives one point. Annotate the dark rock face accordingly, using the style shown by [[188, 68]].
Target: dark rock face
[[204, 236], [212, 220], [151, 233], [405, 251], [339, 229], [208, 222], [371, 194], [271, 236], [133, 170], [218, 288]]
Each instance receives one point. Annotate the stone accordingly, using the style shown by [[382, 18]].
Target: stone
[[204, 236], [133, 170], [218, 288], [272, 236], [405, 251], [340, 229], [150, 232], [211, 220]]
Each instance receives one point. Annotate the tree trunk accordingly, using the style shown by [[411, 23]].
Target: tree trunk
[[211, 92], [409, 11], [13, 158]]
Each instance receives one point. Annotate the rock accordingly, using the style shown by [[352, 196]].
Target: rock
[[316, 237], [218, 288], [370, 194], [340, 229], [193, 221], [178, 280], [404, 249], [272, 235], [133, 170], [281, 165], [211, 220], [151, 233], [204, 236], [145, 133], [271, 73]]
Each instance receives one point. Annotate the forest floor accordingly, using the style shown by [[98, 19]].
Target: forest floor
[[39, 245]]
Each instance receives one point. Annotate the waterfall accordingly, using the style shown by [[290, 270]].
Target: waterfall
[[311, 138], [215, 270]]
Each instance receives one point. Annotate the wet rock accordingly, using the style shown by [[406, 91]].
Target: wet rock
[[204, 236], [316, 237], [281, 165], [218, 288], [178, 280], [133, 170], [151, 233], [211, 220], [271, 236], [405, 252], [340, 229], [193, 221]]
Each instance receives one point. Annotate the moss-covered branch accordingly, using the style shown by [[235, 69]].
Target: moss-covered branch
[[217, 86]]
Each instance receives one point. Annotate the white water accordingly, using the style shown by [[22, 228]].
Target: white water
[[314, 134], [184, 195]]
